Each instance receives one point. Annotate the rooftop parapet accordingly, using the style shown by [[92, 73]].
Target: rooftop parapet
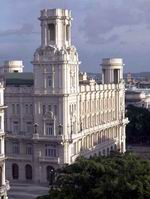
[[112, 70], [16, 63], [100, 87], [112, 62], [55, 13]]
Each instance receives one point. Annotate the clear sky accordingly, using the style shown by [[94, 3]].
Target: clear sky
[[101, 28]]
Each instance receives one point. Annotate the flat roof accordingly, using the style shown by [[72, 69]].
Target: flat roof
[[18, 79]]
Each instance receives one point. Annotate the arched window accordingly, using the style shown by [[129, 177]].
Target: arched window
[[108, 151], [28, 172], [50, 174], [15, 171], [67, 32], [115, 147], [1, 176], [52, 32], [104, 153]]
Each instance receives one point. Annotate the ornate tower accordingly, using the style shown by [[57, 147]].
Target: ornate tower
[[56, 64], [56, 81]]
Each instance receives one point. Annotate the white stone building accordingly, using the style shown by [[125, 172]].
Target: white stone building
[[139, 97], [4, 184], [53, 116], [14, 66]]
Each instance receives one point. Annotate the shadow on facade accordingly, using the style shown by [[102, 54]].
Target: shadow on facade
[[102, 147]]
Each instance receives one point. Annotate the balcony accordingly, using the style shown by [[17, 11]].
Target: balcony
[[54, 160], [52, 138]]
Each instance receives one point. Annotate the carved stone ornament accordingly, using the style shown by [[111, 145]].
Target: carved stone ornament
[[49, 115]]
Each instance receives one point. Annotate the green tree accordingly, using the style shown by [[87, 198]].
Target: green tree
[[138, 129], [118, 176]]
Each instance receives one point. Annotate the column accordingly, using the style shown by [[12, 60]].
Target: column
[[21, 114], [53, 79], [45, 80], [44, 33]]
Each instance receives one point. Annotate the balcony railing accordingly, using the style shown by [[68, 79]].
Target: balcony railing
[[57, 138], [49, 159]]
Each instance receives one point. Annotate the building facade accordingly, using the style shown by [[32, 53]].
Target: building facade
[[55, 115], [4, 184]]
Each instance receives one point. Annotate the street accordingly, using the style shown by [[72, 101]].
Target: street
[[26, 191]]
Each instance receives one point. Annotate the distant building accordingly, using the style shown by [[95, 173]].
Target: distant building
[[143, 84], [56, 114], [12, 67], [138, 97]]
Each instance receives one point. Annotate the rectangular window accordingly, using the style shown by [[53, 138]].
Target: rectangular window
[[49, 129], [29, 149], [50, 151], [18, 108], [26, 108], [29, 127], [31, 109], [16, 148], [55, 110], [50, 108], [16, 127], [50, 81], [13, 108], [44, 109]]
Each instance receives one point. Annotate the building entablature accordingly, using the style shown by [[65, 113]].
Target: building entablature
[[55, 13], [20, 136], [20, 157], [112, 63]]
